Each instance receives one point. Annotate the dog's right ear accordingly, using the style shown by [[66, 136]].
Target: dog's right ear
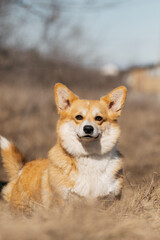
[[63, 97]]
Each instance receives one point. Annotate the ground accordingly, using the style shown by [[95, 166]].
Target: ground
[[28, 117]]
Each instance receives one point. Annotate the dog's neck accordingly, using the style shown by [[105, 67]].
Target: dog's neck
[[59, 154]]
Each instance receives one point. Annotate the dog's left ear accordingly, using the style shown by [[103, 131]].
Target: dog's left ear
[[63, 97], [115, 101]]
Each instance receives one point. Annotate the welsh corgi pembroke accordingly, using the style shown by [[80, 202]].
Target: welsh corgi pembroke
[[84, 162]]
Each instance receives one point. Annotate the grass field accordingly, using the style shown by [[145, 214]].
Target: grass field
[[28, 117]]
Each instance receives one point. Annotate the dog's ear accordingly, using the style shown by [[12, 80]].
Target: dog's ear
[[115, 101], [63, 97]]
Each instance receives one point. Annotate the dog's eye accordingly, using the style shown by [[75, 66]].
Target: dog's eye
[[79, 117], [98, 118]]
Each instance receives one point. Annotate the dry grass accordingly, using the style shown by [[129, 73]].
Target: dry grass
[[28, 117]]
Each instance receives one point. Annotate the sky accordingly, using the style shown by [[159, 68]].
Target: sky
[[125, 35], [128, 34]]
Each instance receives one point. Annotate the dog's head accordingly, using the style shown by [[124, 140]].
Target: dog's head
[[88, 126]]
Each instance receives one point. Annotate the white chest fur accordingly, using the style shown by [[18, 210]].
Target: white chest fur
[[96, 177]]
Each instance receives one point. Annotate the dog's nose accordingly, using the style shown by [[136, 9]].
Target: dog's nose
[[88, 129]]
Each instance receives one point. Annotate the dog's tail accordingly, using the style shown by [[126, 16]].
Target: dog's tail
[[12, 159]]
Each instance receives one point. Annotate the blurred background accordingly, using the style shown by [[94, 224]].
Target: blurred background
[[91, 46]]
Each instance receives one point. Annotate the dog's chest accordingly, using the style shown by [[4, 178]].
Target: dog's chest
[[96, 177]]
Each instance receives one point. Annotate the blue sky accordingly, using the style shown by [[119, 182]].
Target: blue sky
[[126, 35]]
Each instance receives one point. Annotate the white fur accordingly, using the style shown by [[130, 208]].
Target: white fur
[[62, 96], [96, 176], [83, 112], [96, 160], [5, 144], [117, 97], [95, 112], [20, 172], [104, 143]]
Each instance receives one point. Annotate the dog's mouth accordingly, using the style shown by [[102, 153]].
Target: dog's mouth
[[88, 137]]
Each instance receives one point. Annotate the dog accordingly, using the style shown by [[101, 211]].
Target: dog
[[84, 163]]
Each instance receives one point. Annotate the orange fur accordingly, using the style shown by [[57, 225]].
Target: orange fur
[[13, 161], [47, 181]]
